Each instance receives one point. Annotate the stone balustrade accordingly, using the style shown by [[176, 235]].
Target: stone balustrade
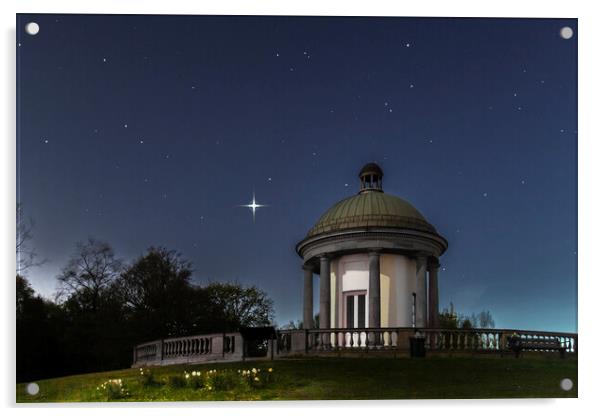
[[192, 349], [436, 340], [230, 346]]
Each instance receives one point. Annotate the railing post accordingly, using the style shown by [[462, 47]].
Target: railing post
[[306, 341], [223, 345]]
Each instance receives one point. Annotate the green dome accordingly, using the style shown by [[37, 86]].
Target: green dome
[[371, 209]]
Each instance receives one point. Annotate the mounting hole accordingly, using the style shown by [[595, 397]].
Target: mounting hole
[[566, 32], [32, 28], [33, 389], [566, 384]]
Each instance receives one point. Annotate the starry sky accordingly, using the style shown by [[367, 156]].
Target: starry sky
[[154, 130]]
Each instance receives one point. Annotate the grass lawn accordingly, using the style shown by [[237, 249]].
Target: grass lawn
[[332, 378]]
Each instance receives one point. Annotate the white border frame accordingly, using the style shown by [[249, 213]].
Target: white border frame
[[590, 207]]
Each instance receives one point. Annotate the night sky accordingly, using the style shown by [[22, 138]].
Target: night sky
[[153, 130]]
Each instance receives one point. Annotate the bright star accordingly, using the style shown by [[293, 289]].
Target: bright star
[[253, 206]]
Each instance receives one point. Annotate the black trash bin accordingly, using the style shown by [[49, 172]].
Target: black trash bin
[[417, 347]]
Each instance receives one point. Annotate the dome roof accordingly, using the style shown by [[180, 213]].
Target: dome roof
[[371, 209]]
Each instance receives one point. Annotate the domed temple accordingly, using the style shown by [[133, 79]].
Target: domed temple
[[377, 259]]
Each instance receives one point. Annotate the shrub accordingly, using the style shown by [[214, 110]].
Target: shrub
[[222, 380], [113, 389], [195, 380], [255, 378], [147, 378], [176, 381]]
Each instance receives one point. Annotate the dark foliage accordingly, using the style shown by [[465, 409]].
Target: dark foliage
[[105, 309]]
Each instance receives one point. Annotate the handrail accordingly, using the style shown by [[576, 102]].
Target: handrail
[[202, 347], [318, 340]]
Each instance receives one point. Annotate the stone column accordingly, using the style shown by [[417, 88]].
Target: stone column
[[434, 294], [308, 297], [324, 292], [374, 290], [421, 265]]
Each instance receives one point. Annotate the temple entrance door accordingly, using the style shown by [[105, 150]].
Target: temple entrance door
[[355, 317]]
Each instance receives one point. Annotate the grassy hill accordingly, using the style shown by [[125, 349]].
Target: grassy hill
[[320, 379]]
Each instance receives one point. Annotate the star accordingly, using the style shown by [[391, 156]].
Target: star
[[125, 126], [485, 194], [46, 141], [141, 141], [104, 59], [253, 206]]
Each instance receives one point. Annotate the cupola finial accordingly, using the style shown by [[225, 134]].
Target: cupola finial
[[371, 178]]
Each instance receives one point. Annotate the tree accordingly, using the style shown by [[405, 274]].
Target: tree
[[39, 326], [235, 306], [90, 271], [157, 292], [451, 319], [26, 256], [292, 325], [483, 319]]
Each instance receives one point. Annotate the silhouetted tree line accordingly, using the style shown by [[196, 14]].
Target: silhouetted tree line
[[105, 307], [451, 319]]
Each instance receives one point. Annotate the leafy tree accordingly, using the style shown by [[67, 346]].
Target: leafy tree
[[451, 319], [235, 306], [157, 292], [38, 325]]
